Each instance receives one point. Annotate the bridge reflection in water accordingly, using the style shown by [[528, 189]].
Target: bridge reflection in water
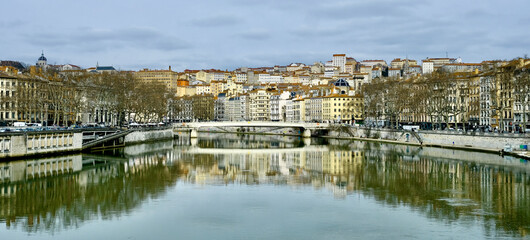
[[58, 194]]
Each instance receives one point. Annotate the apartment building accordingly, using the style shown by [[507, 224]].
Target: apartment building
[[278, 105], [8, 111], [313, 109], [342, 108], [339, 60], [166, 77], [259, 104]]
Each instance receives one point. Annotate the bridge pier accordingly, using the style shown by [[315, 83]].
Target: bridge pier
[[194, 133], [307, 133], [250, 126], [193, 142]]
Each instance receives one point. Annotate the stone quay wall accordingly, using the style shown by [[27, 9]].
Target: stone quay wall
[[148, 135], [485, 141], [15, 145], [38, 143]]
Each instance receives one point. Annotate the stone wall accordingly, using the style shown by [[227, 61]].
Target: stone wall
[[36, 143], [139, 149], [488, 141], [148, 135], [384, 134], [264, 130]]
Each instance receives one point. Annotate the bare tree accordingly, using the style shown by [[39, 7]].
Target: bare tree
[[203, 107], [419, 99], [373, 99], [522, 93], [395, 100], [501, 89], [438, 97]]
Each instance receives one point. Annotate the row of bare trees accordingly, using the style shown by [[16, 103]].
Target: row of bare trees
[[125, 97], [510, 93], [521, 92], [197, 107], [61, 99], [501, 93]]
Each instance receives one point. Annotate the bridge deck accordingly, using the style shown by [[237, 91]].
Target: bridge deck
[[303, 125], [227, 151]]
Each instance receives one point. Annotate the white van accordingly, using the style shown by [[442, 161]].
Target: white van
[[411, 127], [19, 124]]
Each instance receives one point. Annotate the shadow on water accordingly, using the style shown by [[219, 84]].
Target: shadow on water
[[57, 194]]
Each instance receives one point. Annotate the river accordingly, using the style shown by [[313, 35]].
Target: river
[[227, 186]]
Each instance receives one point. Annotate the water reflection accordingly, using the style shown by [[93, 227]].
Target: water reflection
[[100, 187], [246, 141], [448, 186]]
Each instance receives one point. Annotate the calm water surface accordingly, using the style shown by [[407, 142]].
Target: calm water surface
[[266, 187]]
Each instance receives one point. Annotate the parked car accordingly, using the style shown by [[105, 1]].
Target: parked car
[[19, 124]]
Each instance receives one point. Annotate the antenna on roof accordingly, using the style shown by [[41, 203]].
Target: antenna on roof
[[446, 55]]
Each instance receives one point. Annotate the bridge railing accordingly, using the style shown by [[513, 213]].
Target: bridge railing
[[305, 125]]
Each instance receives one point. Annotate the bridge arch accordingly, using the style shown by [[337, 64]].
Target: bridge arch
[[305, 128]]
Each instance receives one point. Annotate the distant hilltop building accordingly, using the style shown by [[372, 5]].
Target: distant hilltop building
[[42, 62], [339, 60], [166, 77], [101, 69], [375, 63], [68, 67], [41, 65], [12, 64], [438, 63]]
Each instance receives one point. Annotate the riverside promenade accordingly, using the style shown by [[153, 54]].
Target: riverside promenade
[[56, 142], [500, 143], [24, 144]]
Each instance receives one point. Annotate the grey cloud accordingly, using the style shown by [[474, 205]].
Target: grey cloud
[[259, 59], [247, 59], [366, 9], [17, 23], [275, 4], [306, 31], [513, 41], [216, 21], [234, 33], [46, 39], [94, 39], [255, 35]]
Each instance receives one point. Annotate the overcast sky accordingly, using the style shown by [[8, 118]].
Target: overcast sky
[[228, 34]]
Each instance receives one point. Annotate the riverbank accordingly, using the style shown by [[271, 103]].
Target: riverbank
[[148, 135], [503, 144], [486, 143], [19, 145]]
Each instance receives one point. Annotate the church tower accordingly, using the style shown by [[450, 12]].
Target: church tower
[[42, 62]]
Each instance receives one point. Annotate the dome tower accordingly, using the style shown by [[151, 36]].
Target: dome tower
[[42, 62]]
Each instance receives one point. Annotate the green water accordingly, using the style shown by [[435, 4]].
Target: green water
[[266, 187]]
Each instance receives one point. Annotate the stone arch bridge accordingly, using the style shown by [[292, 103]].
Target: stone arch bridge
[[305, 128]]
